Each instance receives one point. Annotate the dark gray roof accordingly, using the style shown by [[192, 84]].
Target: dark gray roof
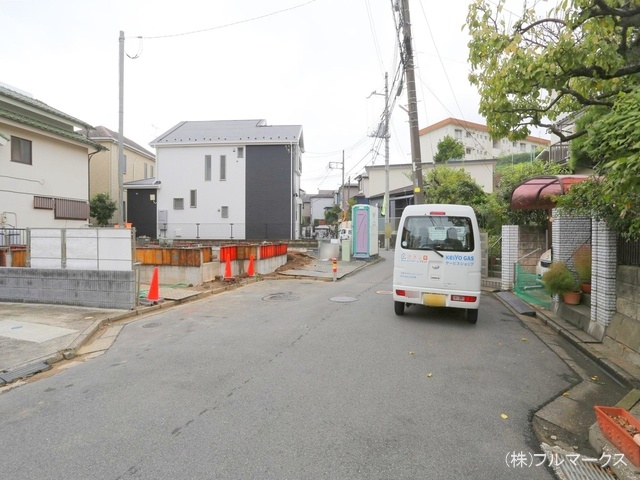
[[103, 133], [230, 132]]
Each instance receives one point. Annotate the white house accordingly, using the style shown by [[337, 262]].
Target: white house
[[320, 202], [229, 179], [44, 164], [372, 182], [476, 140]]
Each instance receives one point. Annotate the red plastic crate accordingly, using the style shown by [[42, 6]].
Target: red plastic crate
[[618, 435]]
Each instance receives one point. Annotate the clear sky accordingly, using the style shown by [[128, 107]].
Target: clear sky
[[313, 63]]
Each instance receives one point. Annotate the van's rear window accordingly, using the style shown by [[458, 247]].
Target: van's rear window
[[440, 232]]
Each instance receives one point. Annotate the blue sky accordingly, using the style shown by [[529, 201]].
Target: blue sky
[[304, 62]]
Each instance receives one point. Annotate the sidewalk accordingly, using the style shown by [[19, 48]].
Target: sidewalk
[[569, 420]]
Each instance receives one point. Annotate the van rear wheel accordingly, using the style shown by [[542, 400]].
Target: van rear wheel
[[398, 307], [472, 315]]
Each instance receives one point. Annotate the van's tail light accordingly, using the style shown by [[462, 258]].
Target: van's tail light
[[401, 293], [463, 298]]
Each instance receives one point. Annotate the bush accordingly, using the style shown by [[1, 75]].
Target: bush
[[559, 280]]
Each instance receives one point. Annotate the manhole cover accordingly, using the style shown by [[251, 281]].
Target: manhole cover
[[151, 325], [281, 297], [343, 299]]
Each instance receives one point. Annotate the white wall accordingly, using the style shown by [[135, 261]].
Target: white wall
[[478, 141], [59, 169], [400, 175], [182, 169], [318, 206]]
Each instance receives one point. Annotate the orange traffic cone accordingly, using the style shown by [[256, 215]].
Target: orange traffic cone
[[154, 294], [227, 268], [251, 271]]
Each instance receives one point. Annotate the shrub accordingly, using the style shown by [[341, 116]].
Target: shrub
[[559, 280]]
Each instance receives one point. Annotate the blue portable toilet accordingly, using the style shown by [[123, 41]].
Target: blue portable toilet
[[364, 222]]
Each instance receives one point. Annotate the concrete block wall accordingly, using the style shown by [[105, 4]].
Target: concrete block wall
[[484, 252], [86, 288], [623, 332], [522, 245], [532, 244]]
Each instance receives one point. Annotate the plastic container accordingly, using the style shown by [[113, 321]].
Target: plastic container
[[617, 435]]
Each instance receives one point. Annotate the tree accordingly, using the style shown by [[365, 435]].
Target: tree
[[582, 59], [449, 149], [533, 72], [614, 196], [332, 215], [509, 178], [451, 185], [102, 208]]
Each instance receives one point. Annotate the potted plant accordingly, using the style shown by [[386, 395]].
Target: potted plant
[[559, 280], [582, 261]]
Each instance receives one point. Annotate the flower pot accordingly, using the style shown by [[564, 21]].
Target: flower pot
[[571, 298], [616, 434], [585, 287]]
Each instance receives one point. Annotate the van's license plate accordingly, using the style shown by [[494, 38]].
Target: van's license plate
[[434, 300]]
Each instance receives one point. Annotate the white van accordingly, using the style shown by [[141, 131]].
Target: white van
[[437, 259]]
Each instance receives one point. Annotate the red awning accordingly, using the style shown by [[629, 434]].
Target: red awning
[[536, 193]]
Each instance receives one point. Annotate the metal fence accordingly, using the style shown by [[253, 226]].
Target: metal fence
[[628, 251]]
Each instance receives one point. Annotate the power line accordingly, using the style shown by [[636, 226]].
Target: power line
[[229, 24]]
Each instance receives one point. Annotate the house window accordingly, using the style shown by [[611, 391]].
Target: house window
[[224, 212], [468, 151], [458, 134], [207, 168], [468, 134], [124, 165], [194, 198], [178, 203], [240, 152], [20, 150], [223, 167], [151, 171], [523, 147], [146, 170], [496, 144]]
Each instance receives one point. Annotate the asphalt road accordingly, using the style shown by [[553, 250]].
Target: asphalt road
[[292, 379]]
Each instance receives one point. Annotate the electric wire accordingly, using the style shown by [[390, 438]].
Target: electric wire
[[218, 27]]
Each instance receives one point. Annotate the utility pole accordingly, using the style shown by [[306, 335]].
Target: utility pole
[[413, 110], [343, 207], [333, 165], [387, 213], [121, 134], [385, 135]]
